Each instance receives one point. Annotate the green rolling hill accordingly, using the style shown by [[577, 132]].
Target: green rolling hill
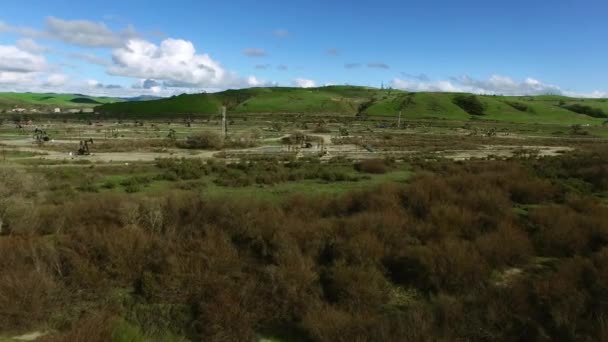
[[334, 100], [363, 101], [48, 101]]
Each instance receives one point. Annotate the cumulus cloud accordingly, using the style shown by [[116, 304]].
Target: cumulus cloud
[[99, 85], [281, 33], [29, 45], [86, 33], [378, 65], [149, 84], [15, 79], [416, 85], [14, 59], [56, 80], [252, 81], [83, 33], [597, 94], [174, 61], [22, 31], [304, 83], [496, 84], [254, 52], [22, 70], [90, 58]]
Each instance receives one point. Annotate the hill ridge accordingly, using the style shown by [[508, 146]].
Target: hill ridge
[[366, 101]]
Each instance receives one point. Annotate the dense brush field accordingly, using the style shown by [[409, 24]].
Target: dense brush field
[[484, 250]]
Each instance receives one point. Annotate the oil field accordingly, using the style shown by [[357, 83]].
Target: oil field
[[167, 224], [303, 171]]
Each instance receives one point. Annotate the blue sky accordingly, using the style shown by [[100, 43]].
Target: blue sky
[[167, 47]]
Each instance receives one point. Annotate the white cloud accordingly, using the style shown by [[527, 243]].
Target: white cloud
[[76, 32], [253, 81], [304, 83], [495, 85], [85, 33], [92, 83], [281, 33], [416, 85], [11, 79], [13, 59], [22, 70], [254, 52], [175, 62], [503, 85], [56, 80], [22, 31], [29, 45], [598, 94]]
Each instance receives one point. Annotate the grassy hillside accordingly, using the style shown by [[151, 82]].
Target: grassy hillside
[[50, 100], [362, 101]]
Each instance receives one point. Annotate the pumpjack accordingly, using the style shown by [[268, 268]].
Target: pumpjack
[[83, 150], [172, 136], [41, 136]]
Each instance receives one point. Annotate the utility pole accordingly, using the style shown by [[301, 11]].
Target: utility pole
[[399, 121], [224, 127]]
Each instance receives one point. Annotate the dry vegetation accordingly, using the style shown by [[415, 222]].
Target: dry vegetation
[[480, 250], [436, 142]]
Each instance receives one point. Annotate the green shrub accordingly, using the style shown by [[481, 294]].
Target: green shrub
[[522, 107], [470, 104], [586, 110]]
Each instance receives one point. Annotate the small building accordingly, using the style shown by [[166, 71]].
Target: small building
[[18, 110], [87, 110], [57, 110]]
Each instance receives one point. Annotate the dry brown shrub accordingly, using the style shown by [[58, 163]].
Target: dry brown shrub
[[562, 231], [357, 288], [28, 285], [565, 295], [455, 265], [508, 245], [377, 166], [93, 327], [223, 303], [332, 324]]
